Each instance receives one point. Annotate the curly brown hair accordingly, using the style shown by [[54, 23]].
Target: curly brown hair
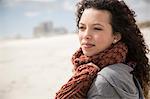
[[123, 22]]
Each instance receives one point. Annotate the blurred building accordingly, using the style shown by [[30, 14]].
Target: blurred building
[[47, 29]]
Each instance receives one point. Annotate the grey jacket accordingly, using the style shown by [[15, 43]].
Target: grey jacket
[[115, 82]]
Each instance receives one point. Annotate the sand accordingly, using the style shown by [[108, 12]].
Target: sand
[[37, 68]]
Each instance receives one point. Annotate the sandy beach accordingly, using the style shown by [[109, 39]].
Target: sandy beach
[[37, 68]]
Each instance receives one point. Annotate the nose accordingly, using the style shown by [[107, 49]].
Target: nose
[[87, 35]]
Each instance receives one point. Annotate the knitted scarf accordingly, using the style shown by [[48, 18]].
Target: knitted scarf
[[79, 84]]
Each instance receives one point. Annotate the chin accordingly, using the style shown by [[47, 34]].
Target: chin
[[88, 54]]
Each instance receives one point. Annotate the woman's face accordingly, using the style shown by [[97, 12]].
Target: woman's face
[[95, 31]]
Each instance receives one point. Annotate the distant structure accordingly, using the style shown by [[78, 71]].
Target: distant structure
[[145, 24], [47, 29]]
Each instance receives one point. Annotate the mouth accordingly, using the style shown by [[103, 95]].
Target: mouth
[[87, 45]]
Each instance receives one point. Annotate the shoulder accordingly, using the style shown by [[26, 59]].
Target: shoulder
[[102, 89], [114, 81], [116, 68], [117, 71]]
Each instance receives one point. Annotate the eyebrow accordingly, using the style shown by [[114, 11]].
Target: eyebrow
[[92, 24], [81, 23], [98, 24]]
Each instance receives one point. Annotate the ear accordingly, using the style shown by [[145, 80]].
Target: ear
[[117, 37]]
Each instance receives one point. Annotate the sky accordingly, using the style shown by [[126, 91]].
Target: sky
[[19, 17]]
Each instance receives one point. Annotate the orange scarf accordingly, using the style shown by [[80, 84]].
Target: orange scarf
[[79, 84]]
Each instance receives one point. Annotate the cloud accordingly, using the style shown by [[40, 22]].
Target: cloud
[[148, 1], [27, 0], [140, 7], [67, 5], [40, 5], [43, 0], [12, 3], [32, 14]]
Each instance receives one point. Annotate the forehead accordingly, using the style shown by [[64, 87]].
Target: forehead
[[92, 15]]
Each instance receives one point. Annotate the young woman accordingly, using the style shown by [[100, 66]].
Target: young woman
[[111, 62]]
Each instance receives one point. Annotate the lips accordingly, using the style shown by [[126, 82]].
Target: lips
[[87, 45]]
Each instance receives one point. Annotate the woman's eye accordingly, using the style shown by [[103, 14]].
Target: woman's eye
[[81, 27], [97, 28]]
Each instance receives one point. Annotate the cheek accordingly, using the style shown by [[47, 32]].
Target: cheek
[[103, 39], [80, 37], [99, 38]]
